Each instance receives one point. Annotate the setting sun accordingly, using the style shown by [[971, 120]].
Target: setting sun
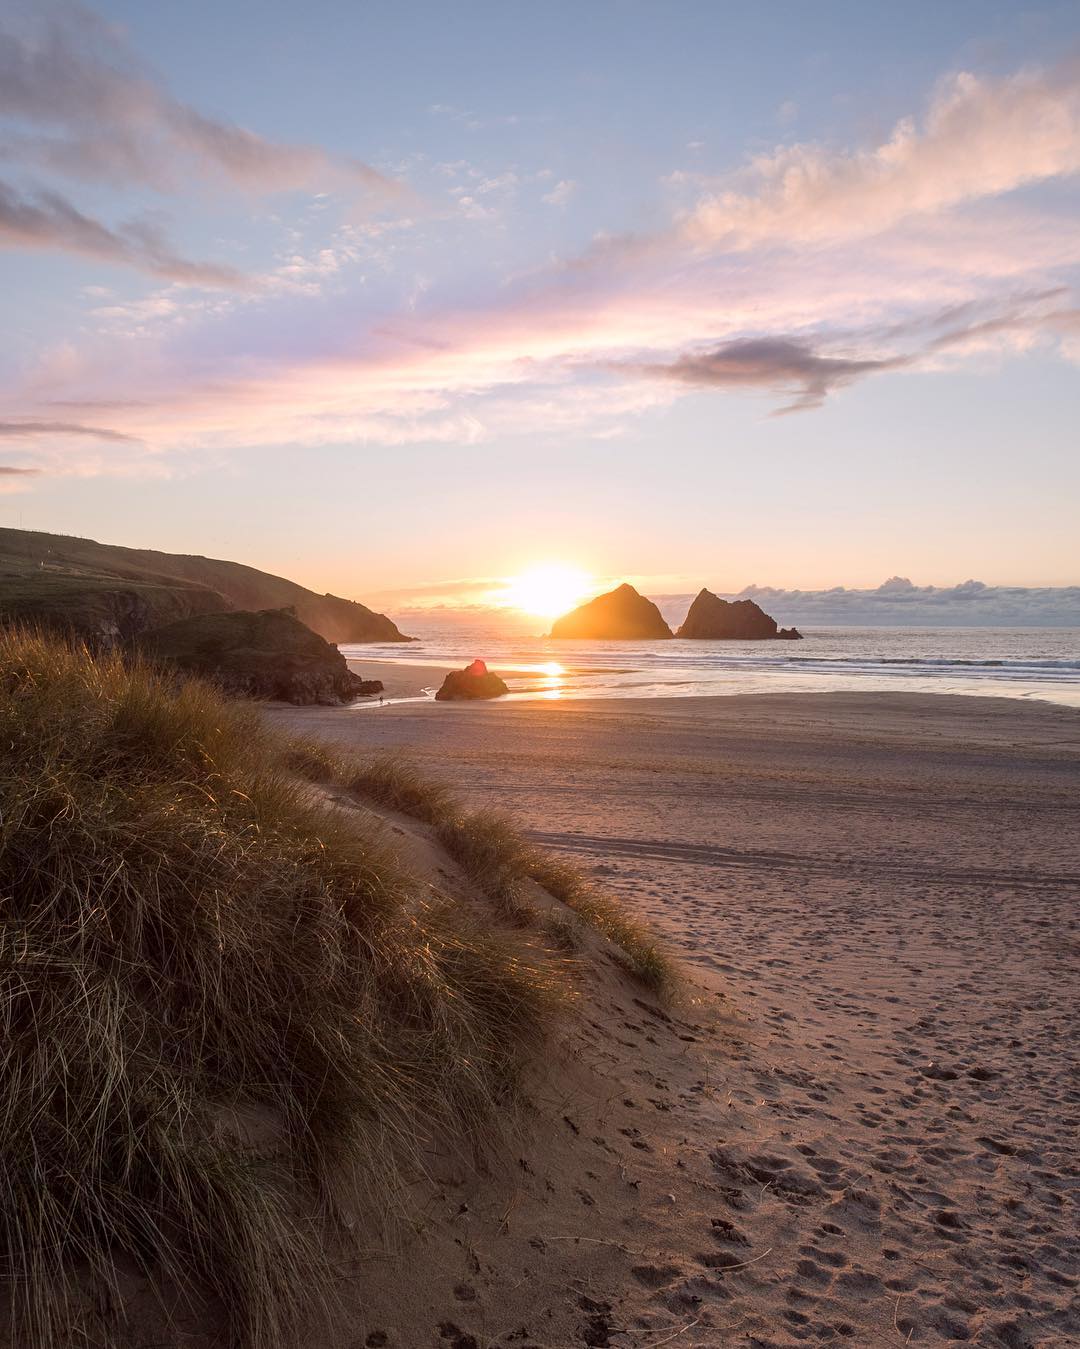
[[547, 591]]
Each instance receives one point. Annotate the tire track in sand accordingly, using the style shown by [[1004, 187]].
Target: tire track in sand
[[748, 859]]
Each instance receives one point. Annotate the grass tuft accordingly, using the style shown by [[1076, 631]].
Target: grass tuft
[[223, 1012], [641, 954], [398, 785], [494, 854]]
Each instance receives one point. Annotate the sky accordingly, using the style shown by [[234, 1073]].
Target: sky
[[400, 299]]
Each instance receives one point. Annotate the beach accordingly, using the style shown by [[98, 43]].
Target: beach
[[884, 888]]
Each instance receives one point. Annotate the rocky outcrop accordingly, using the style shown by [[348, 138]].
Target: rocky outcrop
[[475, 681], [620, 615], [269, 654], [713, 619], [102, 592]]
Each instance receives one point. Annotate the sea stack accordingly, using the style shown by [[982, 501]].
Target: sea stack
[[475, 681], [620, 615], [713, 619]]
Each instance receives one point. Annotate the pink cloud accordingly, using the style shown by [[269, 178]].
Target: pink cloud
[[554, 358], [821, 270], [980, 138]]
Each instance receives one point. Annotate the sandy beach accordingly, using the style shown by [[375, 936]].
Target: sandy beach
[[886, 890]]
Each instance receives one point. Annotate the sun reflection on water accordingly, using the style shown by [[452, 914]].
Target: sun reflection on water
[[552, 686]]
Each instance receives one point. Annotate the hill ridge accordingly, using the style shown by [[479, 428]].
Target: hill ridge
[[110, 592]]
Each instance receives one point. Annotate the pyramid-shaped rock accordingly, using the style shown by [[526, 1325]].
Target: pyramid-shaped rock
[[620, 615]]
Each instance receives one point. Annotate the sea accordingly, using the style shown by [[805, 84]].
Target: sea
[[1027, 663]]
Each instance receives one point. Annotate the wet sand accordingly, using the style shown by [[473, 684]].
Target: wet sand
[[888, 889]]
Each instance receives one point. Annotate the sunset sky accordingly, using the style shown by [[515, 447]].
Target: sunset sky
[[396, 299]]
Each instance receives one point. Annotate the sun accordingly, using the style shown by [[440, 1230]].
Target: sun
[[547, 591]]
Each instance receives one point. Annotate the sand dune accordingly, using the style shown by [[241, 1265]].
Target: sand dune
[[876, 1142]]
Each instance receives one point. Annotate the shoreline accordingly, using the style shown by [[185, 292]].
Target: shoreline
[[404, 683], [567, 682]]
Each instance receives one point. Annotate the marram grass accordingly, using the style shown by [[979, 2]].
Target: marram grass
[[226, 1018], [492, 851]]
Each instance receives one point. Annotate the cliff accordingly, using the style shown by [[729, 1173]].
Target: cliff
[[620, 615], [108, 595], [258, 655]]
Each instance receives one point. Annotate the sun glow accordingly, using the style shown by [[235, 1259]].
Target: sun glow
[[547, 591]]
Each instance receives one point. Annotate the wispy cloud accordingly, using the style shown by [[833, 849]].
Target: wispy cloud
[[14, 480], [561, 193], [79, 103], [472, 121], [560, 361], [49, 220], [35, 430], [809, 372]]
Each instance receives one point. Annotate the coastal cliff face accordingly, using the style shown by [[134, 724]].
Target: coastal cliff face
[[713, 619], [103, 613], [620, 615], [108, 596], [269, 655]]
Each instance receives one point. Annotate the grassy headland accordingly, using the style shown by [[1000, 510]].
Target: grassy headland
[[106, 594]]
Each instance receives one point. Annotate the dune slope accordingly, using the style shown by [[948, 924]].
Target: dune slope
[[265, 1010]]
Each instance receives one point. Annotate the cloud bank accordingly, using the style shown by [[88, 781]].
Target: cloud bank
[[898, 602]]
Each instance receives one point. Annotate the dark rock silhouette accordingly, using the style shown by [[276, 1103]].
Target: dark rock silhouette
[[269, 654], [475, 681], [713, 619], [620, 615]]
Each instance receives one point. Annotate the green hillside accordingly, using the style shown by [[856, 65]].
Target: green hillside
[[109, 594]]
